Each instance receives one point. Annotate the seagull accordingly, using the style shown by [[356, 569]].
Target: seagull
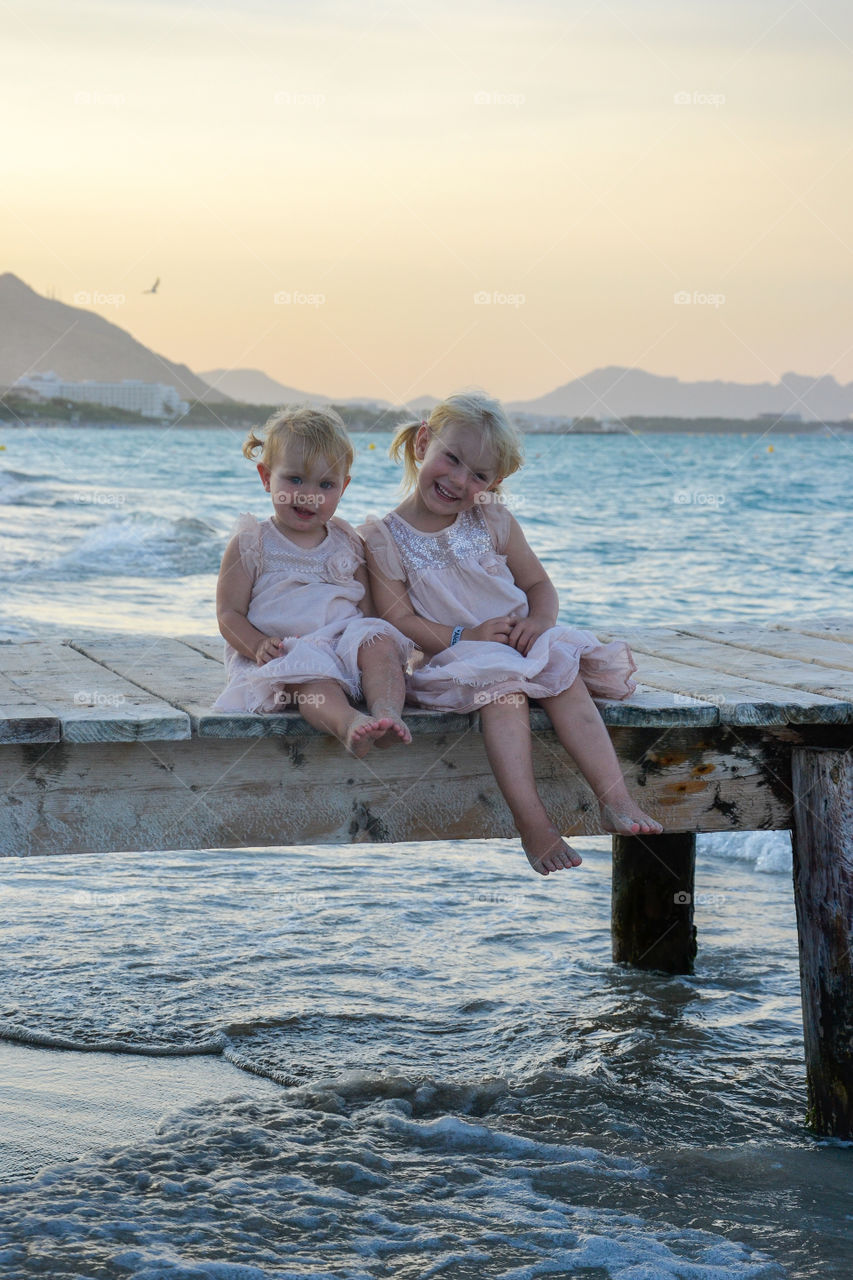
[[154, 286]]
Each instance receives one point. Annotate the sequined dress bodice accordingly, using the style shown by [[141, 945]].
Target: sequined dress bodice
[[455, 576]]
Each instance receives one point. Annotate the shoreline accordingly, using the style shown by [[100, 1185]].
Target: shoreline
[[749, 428], [63, 1104]]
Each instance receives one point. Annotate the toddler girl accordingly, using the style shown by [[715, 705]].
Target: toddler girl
[[290, 590], [451, 569]]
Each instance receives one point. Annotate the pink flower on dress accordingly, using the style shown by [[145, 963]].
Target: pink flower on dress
[[341, 566], [492, 562]]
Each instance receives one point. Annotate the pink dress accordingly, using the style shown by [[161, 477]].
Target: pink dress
[[459, 577], [308, 598]]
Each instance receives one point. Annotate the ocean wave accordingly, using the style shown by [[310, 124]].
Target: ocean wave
[[24, 488], [767, 851], [300, 1187], [10, 477], [140, 544], [93, 1041]]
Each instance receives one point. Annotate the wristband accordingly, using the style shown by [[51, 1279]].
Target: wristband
[[457, 634]]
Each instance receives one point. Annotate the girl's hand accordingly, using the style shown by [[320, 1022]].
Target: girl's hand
[[268, 649], [496, 629], [525, 633]]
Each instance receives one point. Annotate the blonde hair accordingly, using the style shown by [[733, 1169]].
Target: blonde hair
[[464, 409], [320, 431]]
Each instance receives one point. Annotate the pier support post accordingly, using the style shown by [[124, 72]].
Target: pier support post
[[652, 902], [822, 783]]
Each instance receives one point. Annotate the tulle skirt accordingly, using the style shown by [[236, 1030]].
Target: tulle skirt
[[475, 672], [331, 653]]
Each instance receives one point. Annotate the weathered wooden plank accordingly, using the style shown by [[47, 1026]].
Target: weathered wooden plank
[[24, 718], [165, 668], [788, 645], [823, 890], [737, 701], [652, 902], [212, 646], [825, 628], [305, 789], [647, 708], [780, 691], [92, 703]]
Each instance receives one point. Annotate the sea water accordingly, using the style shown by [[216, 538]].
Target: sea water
[[459, 1082]]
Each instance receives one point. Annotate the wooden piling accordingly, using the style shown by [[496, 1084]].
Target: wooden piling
[[822, 782], [652, 901]]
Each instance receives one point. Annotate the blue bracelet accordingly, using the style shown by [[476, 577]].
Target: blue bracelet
[[457, 634]]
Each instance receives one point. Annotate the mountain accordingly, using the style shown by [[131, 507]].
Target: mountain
[[252, 386], [614, 392], [39, 334]]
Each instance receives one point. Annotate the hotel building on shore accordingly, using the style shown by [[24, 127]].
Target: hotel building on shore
[[151, 399]]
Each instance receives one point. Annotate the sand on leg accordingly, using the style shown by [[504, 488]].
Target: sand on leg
[[384, 687], [325, 705], [506, 733], [583, 733]]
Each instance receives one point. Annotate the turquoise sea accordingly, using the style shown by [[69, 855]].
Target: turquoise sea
[[411, 1061]]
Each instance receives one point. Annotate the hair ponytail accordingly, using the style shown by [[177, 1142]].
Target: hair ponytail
[[252, 444], [403, 450]]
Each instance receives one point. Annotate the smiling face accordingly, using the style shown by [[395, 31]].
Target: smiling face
[[456, 467], [305, 494]]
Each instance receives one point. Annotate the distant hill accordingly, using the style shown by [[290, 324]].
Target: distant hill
[[252, 386], [422, 404], [38, 334], [614, 392]]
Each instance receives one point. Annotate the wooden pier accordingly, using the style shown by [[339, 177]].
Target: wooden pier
[[108, 743]]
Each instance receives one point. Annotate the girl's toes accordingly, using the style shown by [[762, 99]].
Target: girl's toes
[[560, 857], [628, 822], [361, 736], [392, 732]]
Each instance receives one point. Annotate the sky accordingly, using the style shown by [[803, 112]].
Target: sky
[[394, 198]]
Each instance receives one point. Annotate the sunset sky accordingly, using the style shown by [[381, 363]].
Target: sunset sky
[[383, 164]]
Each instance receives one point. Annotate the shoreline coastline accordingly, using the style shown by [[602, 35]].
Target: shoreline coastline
[[60, 1105], [758, 429]]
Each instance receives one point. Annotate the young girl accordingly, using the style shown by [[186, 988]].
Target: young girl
[[289, 593], [451, 569]]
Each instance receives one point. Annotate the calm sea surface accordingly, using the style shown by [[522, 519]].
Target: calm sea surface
[[464, 1085]]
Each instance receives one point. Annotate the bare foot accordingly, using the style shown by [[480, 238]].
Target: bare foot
[[546, 849], [393, 732], [625, 818], [362, 733]]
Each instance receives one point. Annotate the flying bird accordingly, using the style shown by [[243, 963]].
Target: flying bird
[[154, 286]]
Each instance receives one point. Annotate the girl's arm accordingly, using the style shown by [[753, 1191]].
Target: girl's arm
[[233, 594], [391, 600], [367, 606], [529, 574]]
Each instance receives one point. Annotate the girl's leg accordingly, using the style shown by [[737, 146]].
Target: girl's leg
[[326, 707], [506, 733], [582, 732], [384, 689]]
